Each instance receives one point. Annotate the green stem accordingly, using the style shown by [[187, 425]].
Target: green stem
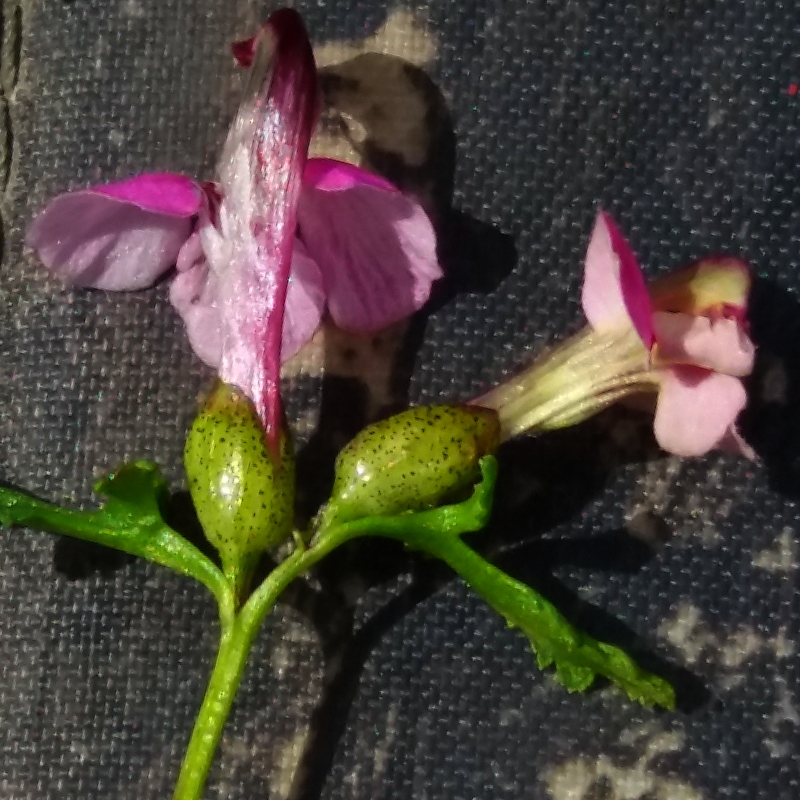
[[237, 638], [234, 648], [235, 645]]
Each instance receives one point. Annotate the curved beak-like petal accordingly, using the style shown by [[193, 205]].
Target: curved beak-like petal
[[119, 236], [260, 178]]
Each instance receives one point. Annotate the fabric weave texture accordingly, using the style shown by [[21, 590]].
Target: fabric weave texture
[[392, 679]]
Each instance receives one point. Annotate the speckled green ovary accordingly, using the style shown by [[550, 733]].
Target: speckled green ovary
[[244, 499], [414, 460]]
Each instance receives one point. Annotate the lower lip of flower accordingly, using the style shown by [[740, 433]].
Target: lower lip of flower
[[578, 379]]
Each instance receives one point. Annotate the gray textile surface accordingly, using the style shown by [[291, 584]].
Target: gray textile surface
[[680, 118]]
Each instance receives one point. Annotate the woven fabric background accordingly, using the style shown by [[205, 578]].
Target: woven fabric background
[[386, 678]]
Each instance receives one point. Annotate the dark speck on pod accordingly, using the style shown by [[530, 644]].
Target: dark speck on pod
[[411, 461]]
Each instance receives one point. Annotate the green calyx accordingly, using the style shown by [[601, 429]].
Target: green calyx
[[243, 494], [417, 459]]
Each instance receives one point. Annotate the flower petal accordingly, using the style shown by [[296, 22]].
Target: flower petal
[[696, 410], [260, 179], [305, 301], [190, 253], [718, 344], [614, 291], [331, 175], [160, 192], [709, 286], [195, 295], [376, 249], [120, 236]]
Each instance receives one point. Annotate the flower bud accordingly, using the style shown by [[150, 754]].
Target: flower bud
[[414, 460], [242, 491]]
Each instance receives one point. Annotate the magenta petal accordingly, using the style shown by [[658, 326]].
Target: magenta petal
[[91, 238], [195, 295], [305, 301], [718, 344], [331, 175], [243, 51], [160, 192], [696, 410], [614, 289], [376, 250]]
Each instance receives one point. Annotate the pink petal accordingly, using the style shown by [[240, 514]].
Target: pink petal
[[190, 254], [305, 301], [331, 175], [260, 179], [614, 291], [195, 295], [696, 410], [718, 344], [376, 250], [93, 238], [160, 192]]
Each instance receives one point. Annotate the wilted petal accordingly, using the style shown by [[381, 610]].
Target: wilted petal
[[120, 236], [614, 291], [374, 245], [696, 410], [719, 344], [710, 286], [305, 301]]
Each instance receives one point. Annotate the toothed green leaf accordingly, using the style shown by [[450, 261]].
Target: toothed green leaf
[[577, 657]]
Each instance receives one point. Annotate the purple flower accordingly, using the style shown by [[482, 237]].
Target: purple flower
[[267, 248]]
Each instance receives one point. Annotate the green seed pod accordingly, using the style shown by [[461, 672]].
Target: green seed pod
[[414, 460], [244, 499]]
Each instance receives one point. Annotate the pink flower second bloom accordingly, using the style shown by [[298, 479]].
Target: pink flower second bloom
[[684, 338]]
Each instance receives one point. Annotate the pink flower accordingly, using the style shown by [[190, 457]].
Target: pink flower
[[684, 338], [266, 249]]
